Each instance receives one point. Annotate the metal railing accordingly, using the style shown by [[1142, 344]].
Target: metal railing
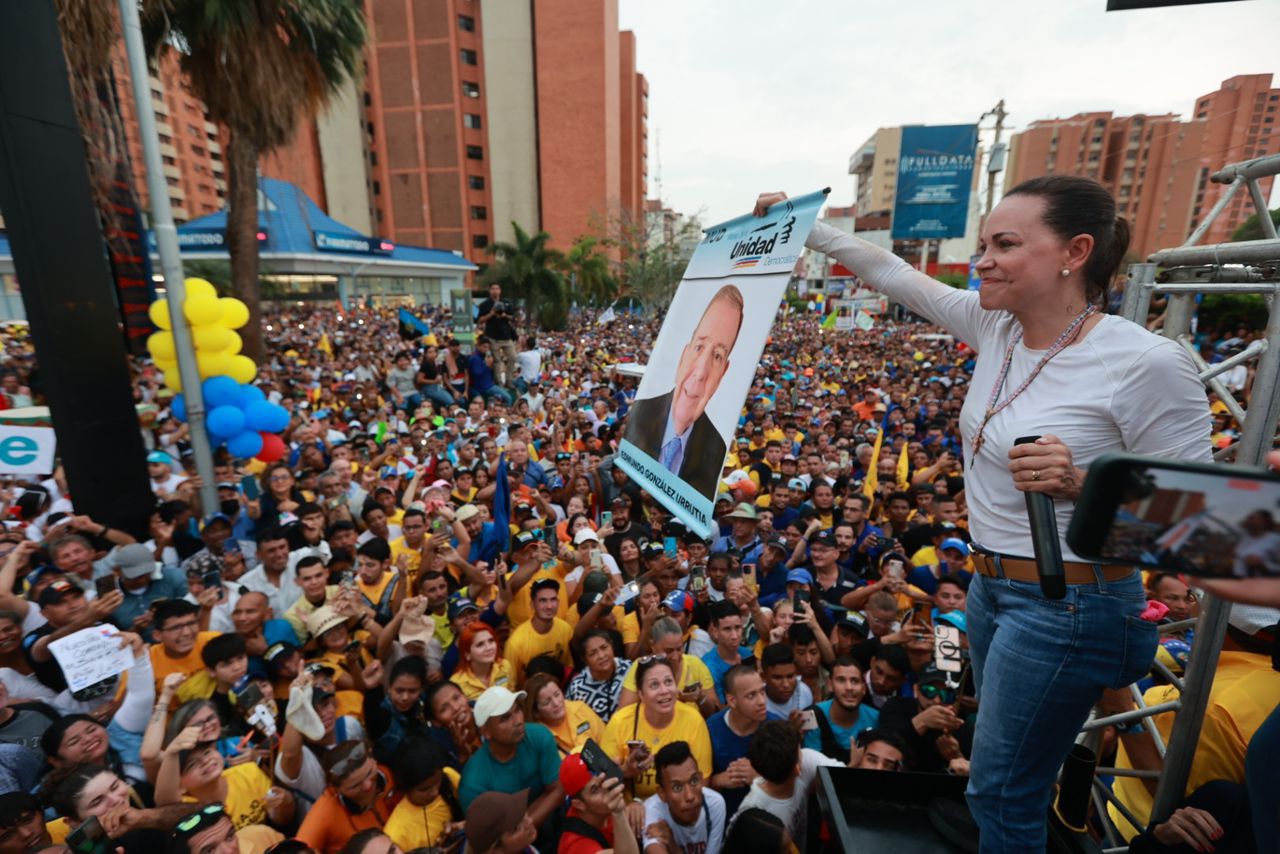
[[1180, 274]]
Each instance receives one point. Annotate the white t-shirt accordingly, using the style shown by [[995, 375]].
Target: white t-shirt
[[706, 834], [310, 780], [1120, 388], [792, 810], [1265, 547], [801, 699]]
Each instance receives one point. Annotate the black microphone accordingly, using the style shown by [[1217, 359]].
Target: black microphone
[[1044, 538]]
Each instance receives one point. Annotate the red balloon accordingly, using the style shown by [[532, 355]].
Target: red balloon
[[272, 448]]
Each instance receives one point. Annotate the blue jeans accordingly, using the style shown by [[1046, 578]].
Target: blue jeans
[[1040, 665], [437, 395]]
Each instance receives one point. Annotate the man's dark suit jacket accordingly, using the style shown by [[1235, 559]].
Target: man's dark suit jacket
[[703, 454]]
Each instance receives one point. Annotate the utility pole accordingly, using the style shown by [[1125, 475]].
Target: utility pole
[[170, 259], [995, 161]]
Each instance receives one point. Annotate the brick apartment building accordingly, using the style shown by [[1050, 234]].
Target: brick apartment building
[[471, 114], [1158, 166]]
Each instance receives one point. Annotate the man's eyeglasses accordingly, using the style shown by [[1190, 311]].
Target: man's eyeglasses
[[202, 818], [933, 692]]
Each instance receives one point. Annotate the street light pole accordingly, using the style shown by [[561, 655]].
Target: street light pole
[[170, 260], [995, 162]]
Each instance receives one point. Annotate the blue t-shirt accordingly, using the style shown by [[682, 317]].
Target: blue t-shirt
[[274, 631], [923, 577], [868, 717], [726, 746], [719, 667], [535, 766], [481, 373]]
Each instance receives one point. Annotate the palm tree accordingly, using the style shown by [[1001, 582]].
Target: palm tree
[[257, 65], [529, 271], [588, 268]]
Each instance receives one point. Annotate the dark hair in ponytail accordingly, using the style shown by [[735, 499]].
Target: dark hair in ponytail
[[1075, 206]]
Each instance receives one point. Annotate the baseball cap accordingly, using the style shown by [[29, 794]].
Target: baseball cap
[[523, 540], [319, 668], [134, 560], [678, 601], [461, 605], [824, 538], [653, 548], [495, 702], [955, 618], [595, 581], [778, 543], [574, 774], [931, 675], [586, 535], [955, 543], [801, 576], [56, 592], [797, 483], [854, 622], [621, 501], [216, 517], [160, 457], [588, 601]]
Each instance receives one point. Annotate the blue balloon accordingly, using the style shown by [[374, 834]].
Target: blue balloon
[[179, 407], [250, 394], [244, 446], [221, 391], [266, 417], [225, 421]]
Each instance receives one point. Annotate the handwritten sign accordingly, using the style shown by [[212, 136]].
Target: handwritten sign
[[91, 655]]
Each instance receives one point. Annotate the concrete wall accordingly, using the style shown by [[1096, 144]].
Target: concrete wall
[[513, 128]]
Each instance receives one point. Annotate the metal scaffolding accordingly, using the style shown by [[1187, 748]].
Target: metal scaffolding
[[1180, 274]]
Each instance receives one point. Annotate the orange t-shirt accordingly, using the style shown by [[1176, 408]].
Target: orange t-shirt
[[190, 663], [328, 824]]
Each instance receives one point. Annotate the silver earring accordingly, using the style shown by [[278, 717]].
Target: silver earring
[[1066, 271]]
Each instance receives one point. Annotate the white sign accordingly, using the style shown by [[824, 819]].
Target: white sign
[[91, 655], [27, 450]]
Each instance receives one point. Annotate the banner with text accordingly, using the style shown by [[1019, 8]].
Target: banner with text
[[27, 450], [935, 172], [682, 423]]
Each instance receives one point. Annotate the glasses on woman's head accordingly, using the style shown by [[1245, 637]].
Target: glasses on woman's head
[[353, 760]]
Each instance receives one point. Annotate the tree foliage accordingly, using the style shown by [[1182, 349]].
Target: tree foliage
[[590, 272], [1251, 228], [258, 66], [654, 254], [531, 272]]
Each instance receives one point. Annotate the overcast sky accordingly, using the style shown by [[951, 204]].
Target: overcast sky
[[751, 95]]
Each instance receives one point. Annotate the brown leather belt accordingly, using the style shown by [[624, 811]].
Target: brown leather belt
[[1021, 569]]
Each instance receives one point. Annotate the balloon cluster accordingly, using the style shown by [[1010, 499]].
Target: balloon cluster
[[214, 321], [237, 414]]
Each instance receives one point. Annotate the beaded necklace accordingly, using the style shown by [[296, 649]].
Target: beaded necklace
[[1064, 340]]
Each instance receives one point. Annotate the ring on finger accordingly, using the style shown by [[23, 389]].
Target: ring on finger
[[1035, 474]]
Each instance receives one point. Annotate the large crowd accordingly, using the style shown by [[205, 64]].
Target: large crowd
[[447, 617]]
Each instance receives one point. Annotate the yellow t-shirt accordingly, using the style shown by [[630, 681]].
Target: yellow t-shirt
[[298, 612], [580, 723], [400, 547], [687, 726], [412, 827], [526, 644], [374, 592], [630, 626], [926, 556], [521, 607], [471, 685], [692, 672], [162, 664], [1245, 691], [246, 800]]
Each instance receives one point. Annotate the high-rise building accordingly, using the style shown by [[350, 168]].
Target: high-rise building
[[1158, 166], [875, 165]]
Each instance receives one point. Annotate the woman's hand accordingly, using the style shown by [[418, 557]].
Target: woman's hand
[[1189, 826], [767, 200], [1045, 466]]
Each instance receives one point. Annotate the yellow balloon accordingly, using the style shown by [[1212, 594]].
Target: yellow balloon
[[200, 287], [213, 364], [234, 313], [236, 345], [242, 369], [212, 338], [161, 347], [167, 366], [172, 380], [201, 310], [159, 314], [918, 356]]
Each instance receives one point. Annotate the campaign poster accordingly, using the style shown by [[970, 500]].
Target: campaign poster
[[935, 172], [682, 423]]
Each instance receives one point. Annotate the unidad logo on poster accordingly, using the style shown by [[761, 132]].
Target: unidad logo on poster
[[679, 429]]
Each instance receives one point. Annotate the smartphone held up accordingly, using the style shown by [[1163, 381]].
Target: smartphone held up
[[1205, 520]]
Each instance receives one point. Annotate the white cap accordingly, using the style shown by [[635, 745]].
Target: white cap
[[495, 702], [585, 535]]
